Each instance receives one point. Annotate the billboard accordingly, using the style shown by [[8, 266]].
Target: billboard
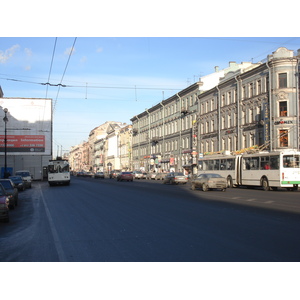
[[28, 126]]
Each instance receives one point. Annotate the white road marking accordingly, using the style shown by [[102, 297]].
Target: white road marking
[[57, 242]]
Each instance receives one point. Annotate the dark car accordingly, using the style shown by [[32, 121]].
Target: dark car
[[18, 182], [99, 175], [175, 178], [4, 205], [11, 191], [207, 181], [125, 176], [114, 173]]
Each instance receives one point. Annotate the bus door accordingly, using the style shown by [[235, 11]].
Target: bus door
[[238, 170]]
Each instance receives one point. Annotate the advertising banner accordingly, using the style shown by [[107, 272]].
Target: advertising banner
[[28, 126]]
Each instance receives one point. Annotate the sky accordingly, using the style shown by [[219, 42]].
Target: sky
[[115, 78]]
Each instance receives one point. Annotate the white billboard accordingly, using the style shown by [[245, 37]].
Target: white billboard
[[28, 126]]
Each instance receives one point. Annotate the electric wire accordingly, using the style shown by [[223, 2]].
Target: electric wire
[[60, 84]]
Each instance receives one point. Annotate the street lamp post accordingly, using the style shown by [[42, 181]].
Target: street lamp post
[[5, 119]]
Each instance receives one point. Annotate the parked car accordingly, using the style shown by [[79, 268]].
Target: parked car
[[88, 174], [99, 175], [144, 175], [175, 178], [11, 191], [160, 176], [4, 205], [114, 173], [207, 181], [151, 175], [26, 177], [137, 174], [18, 182], [125, 176]]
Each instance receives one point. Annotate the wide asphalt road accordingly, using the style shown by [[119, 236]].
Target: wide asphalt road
[[95, 220]]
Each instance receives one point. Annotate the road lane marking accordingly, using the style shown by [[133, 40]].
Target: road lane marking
[[57, 243]]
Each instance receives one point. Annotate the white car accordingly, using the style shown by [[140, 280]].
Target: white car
[[26, 176], [137, 174]]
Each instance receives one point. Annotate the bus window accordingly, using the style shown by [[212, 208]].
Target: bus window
[[291, 161], [65, 169], [217, 165], [265, 163], [274, 162], [251, 163]]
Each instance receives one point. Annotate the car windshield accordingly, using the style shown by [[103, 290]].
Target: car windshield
[[15, 178], [6, 184], [126, 173], [23, 174], [213, 176], [178, 174]]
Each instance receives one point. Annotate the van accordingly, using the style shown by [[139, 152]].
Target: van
[[26, 176]]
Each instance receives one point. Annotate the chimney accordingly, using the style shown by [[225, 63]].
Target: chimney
[[216, 69]]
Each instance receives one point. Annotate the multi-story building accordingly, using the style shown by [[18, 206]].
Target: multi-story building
[[252, 104], [125, 141], [108, 148]]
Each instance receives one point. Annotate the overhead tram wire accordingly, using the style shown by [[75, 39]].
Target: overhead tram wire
[[60, 84], [135, 87], [51, 65]]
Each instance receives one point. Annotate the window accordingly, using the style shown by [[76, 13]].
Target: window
[[282, 78], [229, 97], [251, 90], [283, 138], [250, 163], [244, 92], [258, 87], [283, 109]]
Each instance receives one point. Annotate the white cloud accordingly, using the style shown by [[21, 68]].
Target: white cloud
[[7, 54], [99, 50], [70, 51], [83, 59], [28, 52]]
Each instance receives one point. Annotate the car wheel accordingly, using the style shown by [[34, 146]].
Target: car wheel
[[224, 190], [204, 187], [193, 186]]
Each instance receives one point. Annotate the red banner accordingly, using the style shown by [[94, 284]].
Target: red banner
[[23, 143]]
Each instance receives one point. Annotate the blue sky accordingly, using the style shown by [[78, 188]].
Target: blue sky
[[114, 79]]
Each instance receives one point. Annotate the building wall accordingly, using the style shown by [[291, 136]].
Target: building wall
[[243, 110]]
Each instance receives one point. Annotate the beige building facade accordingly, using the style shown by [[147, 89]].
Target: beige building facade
[[251, 105]]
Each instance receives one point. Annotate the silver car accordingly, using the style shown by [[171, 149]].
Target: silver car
[[206, 181], [175, 178], [137, 174]]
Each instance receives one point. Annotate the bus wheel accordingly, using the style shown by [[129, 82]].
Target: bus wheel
[[229, 182], [265, 184], [295, 187]]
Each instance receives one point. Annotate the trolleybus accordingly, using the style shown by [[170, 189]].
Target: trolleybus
[[58, 172], [270, 170]]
